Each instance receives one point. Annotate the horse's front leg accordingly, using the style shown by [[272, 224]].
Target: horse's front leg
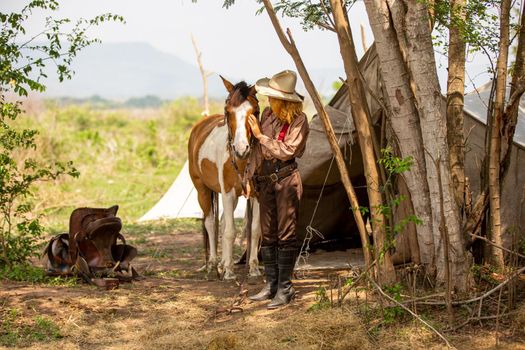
[[255, 238], [229, 201]]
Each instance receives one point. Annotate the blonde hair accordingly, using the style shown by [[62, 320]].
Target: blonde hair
[[286, 111]]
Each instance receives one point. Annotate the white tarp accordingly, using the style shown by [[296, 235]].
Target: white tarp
[[181, 201]]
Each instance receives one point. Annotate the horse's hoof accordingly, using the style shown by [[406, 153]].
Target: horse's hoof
[[229, 276]]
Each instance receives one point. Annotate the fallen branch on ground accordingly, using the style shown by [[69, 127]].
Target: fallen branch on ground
[[481, 297], [479, 318]]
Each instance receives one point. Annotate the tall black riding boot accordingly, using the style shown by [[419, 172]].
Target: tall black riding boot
[[269, 259], [285, 291]]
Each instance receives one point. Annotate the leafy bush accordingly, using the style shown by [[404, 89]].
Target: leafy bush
[[22, 68]]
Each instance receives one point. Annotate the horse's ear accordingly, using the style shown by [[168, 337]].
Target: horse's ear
[[227, 84], [252, 90]]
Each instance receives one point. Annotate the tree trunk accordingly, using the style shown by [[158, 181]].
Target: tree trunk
[[517, 87], [455, 98], [496, 255], [361, 115], [413, 28], [403, 119], [289, 46]]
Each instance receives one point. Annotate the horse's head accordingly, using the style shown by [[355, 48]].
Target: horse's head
[[240, 103]]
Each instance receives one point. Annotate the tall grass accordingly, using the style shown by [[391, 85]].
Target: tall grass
[[127, 157]]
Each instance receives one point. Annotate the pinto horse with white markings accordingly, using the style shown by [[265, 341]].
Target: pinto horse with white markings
[[217, 151]]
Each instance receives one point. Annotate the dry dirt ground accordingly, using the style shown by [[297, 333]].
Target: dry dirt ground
[[174, 307]]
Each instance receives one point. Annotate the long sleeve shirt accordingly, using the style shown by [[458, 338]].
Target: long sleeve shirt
[[269, 147]]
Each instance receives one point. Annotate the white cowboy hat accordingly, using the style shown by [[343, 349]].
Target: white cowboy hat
[[281, 85]]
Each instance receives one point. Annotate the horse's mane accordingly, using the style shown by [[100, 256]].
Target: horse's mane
[[241, 93], [243, 88]]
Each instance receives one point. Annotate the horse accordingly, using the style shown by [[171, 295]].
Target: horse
[[218, 149]]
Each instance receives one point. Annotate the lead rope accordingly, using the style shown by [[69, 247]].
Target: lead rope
[[232, 155], [304, 252]]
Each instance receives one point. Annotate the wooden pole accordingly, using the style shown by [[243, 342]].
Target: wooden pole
[[289, 45], [362, 121]]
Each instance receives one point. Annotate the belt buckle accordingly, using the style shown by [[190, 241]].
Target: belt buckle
[[274, 177]]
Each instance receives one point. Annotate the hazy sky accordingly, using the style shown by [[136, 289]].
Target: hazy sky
[[234, 42]]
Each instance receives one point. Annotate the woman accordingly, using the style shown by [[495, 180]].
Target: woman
[[272, 169]]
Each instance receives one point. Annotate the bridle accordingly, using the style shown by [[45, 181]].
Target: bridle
[[230, 146]]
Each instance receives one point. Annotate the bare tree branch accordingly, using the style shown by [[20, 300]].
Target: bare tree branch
[[204, 75], [485, 239], [514, 275]]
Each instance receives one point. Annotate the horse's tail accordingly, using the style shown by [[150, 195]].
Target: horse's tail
[[215, 209], [205, 241], [248, 228], [205, 235]]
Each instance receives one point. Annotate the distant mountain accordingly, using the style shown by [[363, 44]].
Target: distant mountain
[[125, 70]]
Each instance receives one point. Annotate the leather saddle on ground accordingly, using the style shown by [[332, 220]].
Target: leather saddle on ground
[[90, 249]]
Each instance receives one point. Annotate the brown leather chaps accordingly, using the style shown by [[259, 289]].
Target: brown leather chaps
[[279, 207]]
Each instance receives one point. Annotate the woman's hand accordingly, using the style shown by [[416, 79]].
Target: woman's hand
[[254, 125]]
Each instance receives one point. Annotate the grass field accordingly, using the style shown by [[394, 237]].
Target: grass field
[[125, 157]]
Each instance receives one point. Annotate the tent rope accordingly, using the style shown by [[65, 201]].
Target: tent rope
[[304, 252], [186, 200]]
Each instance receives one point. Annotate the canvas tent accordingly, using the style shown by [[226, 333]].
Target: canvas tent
[[513, 188], [325, 205], [180, 201], [333, 217]]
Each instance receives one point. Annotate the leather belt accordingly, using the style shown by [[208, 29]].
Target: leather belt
[[273, 166], [276, 176]]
